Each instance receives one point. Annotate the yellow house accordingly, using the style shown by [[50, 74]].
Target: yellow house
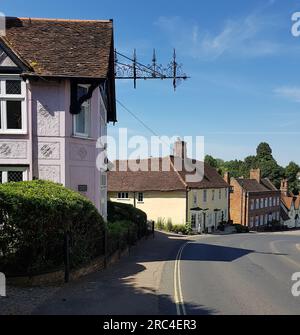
[[167, 195]]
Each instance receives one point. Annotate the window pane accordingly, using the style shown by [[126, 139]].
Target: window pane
[[13, 86], [81, 91], [14, 114], [80, 122], [14, 176]]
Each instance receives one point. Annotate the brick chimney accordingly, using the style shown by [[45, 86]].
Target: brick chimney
[[180, 149], [227, 177], [284, 187], [255, 174]]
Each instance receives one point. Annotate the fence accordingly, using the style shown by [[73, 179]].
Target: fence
[[111, 245], [65, 251]]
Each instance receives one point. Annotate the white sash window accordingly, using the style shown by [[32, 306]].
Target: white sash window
[[13, 116]]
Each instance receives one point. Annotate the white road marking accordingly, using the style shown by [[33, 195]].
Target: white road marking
[[179, 301]]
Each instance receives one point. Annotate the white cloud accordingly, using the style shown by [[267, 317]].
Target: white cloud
[[291, 93], [242, 37]]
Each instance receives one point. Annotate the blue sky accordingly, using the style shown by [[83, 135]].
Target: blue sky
[[241, 56]]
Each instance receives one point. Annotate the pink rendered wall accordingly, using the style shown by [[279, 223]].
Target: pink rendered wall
[[48, 117], [59, 155], [81, 154]]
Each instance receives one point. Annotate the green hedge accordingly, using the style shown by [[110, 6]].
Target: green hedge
[[123, 212], [121, 234], [240, 229], [34, 217]]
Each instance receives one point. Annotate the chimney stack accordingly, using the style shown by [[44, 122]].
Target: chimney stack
[[284, 187], [180, 149], [227, 177], [255, 174]]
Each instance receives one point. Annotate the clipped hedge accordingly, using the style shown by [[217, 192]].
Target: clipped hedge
[[121, 234], [34, 217], [240, 229], [123, 212]]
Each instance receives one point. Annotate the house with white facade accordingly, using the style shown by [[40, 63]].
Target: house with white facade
[[57, 93], [168, 195]]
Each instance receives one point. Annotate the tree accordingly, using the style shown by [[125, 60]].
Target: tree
[[264, 152], [270, 169], [291, 173], [263, 160], [211, 161]]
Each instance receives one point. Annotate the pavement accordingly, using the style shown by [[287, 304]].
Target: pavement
[[171, 274], [129, 287]]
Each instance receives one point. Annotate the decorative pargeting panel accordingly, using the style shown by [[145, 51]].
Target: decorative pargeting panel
[[13, 150], [49, 150], [82, 152], [48, 123], [50, 172]]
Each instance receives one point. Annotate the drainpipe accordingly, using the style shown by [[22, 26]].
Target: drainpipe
[[187, 206], [246, 207], [242, 207]]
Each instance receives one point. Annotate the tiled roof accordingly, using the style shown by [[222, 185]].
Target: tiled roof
[[287, 201], [268, 184], [297, 202], [251, 185], [284, 215], [210, 179], [68, 48], [172, 180]]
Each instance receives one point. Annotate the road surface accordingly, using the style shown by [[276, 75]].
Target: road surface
[[235, 274], [169, 275]]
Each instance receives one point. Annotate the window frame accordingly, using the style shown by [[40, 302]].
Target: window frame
[[195, 198], [88, 121], [205, 195], [12, 97], [124, 196], [193, 221], [5, 169], [138, 197]]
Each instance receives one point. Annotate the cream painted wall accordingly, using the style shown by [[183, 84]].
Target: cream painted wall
[[166, 205], [196, 199]]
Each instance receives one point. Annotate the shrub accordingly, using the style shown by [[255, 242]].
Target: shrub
[[160, 224], [120, 234], [34, 217], [169, 225], [123, 212], [180, 229], [240, 229]]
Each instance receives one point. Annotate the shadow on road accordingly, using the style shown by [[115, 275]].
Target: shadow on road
[[127, 288], [216, 253]]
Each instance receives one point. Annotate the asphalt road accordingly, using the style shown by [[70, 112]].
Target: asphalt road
[[169, 275], [236, 274]]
